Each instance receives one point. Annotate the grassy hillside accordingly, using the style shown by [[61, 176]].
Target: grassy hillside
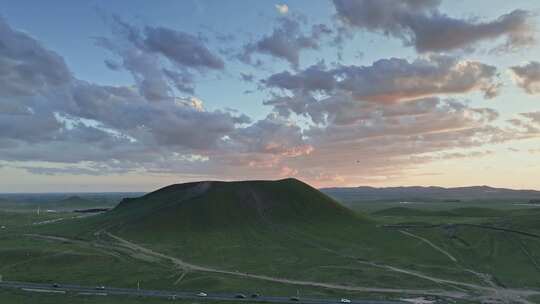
[[276, 228], [221, 205], [280, 230]]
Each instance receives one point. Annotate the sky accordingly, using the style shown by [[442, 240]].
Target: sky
[[134, 95]]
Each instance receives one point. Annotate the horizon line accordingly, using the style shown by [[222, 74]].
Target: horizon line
[[318, 188]]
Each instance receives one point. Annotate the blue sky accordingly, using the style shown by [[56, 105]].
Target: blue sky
[[466, 101], [68, 28]]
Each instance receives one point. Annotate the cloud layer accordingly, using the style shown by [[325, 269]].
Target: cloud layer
[[422, 25], [286, 41], [327, 122], [162, 60], [385, 81], [527, 77], [51, 116]]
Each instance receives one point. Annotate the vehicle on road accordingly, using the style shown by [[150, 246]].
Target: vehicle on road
[[343, 300], [100, 287], [255, 295], [240, 296], [202, 294], [295, 299], [56, 285]]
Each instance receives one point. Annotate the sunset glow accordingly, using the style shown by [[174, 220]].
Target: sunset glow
[[132, 95]]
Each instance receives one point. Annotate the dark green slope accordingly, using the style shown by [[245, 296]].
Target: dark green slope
[[218, 205], [249, 225]]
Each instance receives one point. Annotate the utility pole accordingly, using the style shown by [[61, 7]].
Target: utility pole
[[138, 285]]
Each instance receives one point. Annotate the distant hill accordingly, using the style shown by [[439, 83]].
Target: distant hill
[[475, 193], [457, 212], [72, 202], [69, 203], [61, 201], [6, 203], [212, 205]]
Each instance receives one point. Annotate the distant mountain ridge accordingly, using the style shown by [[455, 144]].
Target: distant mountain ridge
[[57, 201], [431, 193]]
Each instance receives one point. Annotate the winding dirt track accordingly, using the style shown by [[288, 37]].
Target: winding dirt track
[[188, 266], [477, 292], [430, 244], [507, 295]]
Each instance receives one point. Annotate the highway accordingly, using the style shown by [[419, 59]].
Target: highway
[[167, 294]]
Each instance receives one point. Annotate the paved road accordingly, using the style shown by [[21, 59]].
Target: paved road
[[89, 290]]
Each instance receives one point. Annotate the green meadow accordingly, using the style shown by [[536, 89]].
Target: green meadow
[[281, 239]]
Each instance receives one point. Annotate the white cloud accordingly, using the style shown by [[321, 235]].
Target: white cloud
[[282, 8], [287, 40], [527, 77], [324, 123]]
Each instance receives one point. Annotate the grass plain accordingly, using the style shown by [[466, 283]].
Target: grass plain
[[449, 250]]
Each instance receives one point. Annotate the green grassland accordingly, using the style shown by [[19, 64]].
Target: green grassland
[[60, 202], [372, 206], [280, 230]]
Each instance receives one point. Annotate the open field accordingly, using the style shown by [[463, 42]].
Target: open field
[[372, 206], [459, 254]]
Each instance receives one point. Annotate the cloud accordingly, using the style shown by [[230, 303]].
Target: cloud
[[533, 116], [327, 124], [70, 170], [313, 78], [386, 80], [26, 67], [112, 65], [460, 155], [247, 77], [160, 59], [527, 77], [527, 124], [386, 118], [181, 48], [349, 120], [422, 25], [286, 42], [273, 135], [32, 128], [153, 81], [385, 140], [282, 8], [179, 122], [79, 127]]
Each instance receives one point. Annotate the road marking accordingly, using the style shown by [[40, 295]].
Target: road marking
[[92, 294], [43, 290]]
